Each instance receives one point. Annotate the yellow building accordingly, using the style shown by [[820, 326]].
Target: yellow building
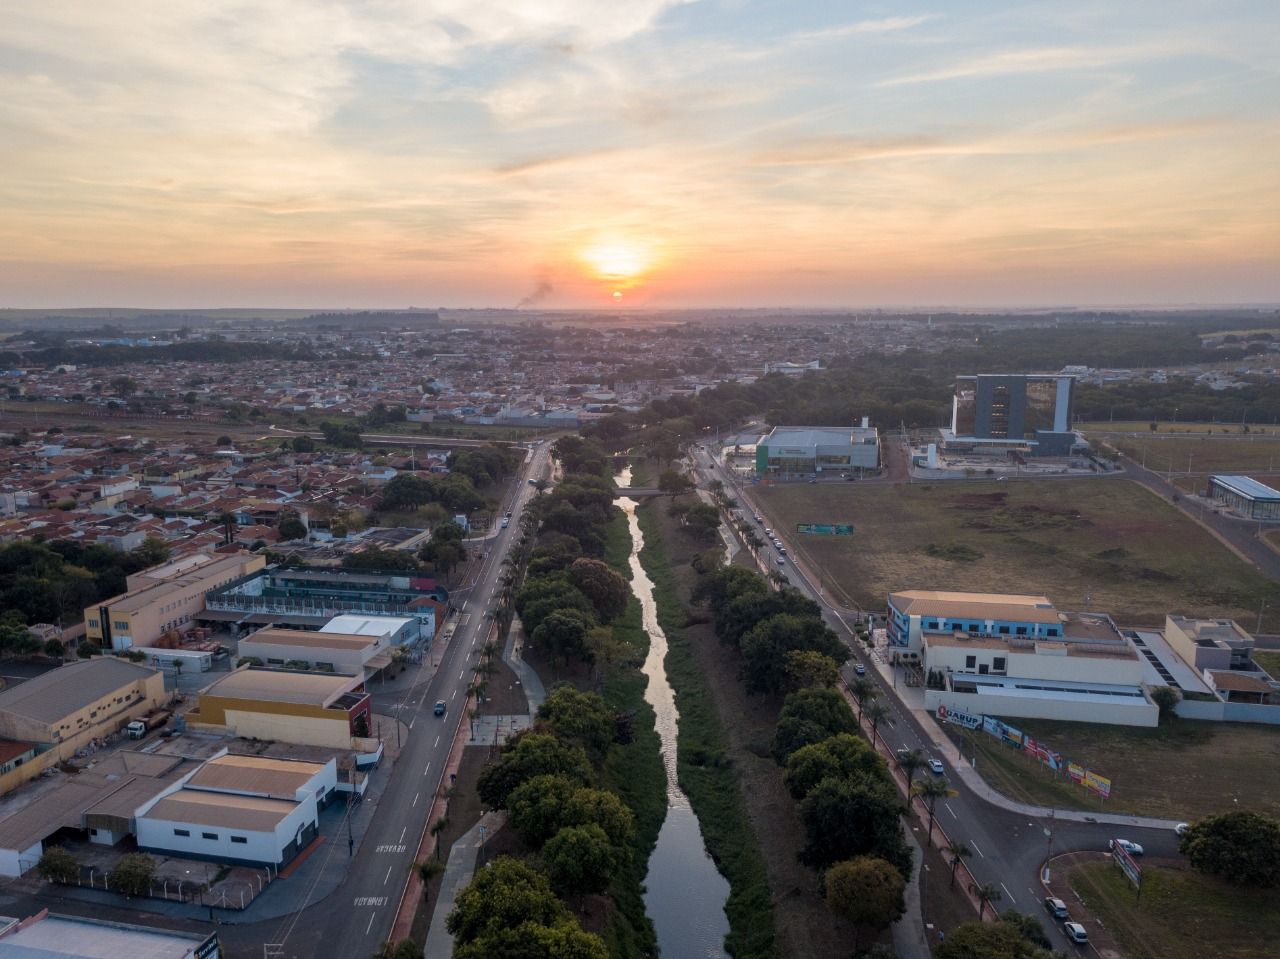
[[312, 709], [163, 599]]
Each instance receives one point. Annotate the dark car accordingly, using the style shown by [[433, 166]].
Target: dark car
[[440, 707], [1056, 907]]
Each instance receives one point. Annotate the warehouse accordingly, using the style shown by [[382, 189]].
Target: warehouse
[[311, 709], [807, 450], [350, 654], [1246, 496], [47, 935]]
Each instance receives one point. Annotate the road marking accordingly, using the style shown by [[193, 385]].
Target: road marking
[[950, 810], [391, 847], [436, 743], [427, 768], [374, 901], [976, 849], [1007, 892], [461, 673], [415, 798], [387, 878], [412, 721], [402, 832], [370, 926], [454, 696]]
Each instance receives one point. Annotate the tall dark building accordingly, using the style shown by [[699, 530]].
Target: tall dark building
[[992, 409]]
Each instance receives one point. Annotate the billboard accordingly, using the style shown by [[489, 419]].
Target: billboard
[[1099, 784], [1002, 731], [1042, 752], [952, 714], [826, 529], [1127, 865]]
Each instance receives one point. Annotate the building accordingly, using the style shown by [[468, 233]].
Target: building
[[47, 935], [396, 630], [239, 810], [1210, 643], [350, 654], [1012, 655], [818, 449], [61, 710], [1246, 496], [311, 709], [310, 598], [166, 599], [1003, 414]]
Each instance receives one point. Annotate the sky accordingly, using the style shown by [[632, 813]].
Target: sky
[[634, 154]]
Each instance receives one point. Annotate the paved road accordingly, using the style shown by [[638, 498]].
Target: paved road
[[355, 920], [1009, 847]]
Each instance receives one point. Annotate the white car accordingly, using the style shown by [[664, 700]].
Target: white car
[[1132, 848], [1075, 932], [1182, 828], [936, 767]]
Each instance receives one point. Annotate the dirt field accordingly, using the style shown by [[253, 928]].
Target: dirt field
[[1103, 544]]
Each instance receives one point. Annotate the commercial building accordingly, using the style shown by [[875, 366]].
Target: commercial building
[[1246, 496], [63, 709], [1011, 414], [166, 599], [47, 935], [311, 709], [310, 598], [1013, 655], [818, 449], [350, 654], [240, 810]]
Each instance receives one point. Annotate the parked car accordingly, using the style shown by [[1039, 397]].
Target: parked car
[[782, 561], [936, 767], [439, 707], [1075, 932], [860, 669], [506, 521], [1181, 828], [1132, 848], [1057, 908]]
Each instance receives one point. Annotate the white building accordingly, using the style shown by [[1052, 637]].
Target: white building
[[396, 630], [818, 449], [243, 810], [347, 653]]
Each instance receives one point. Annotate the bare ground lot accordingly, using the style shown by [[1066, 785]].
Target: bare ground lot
[[1104, 544]]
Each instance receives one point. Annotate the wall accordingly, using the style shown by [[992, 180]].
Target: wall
[[1022, 665], [1229, 712], [1141, 713], [330, 728], [349, 662], [157, 835], [14, 862]]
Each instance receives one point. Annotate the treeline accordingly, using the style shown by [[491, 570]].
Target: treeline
[[848, 803], [580, 835], [54, 582], [1257, 402], [201, 351], [406, 492]]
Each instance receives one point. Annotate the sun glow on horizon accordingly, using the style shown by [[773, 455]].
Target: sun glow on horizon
[[618, 261]]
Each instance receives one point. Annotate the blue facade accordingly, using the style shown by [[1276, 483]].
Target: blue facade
[[899, 627]]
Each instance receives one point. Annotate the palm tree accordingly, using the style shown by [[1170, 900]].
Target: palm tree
[[987, 895], [437, 827], [911, 762], [958, 850], [931, 790], [879, 713], [489, 649], [864, 690], [428, 869]]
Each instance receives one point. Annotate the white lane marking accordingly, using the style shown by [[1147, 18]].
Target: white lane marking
[[976, 849], [415, 798], [412, 721], [402, 832], [950, 810], [370, 926], [388, 877], [454, 696], [437, 743], [427, 768], [1007, 892], [461, 673]]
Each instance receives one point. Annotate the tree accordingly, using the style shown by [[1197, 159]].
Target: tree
[[563, 634], [58, 865], [152, 552], [605, 809], [1166, 699], [837, 757], [291, 525], [867, 891], [988, 893], [437, 829], [765, 645], [428, 871], [537, 807], [607, 591], [403, 949], [931, 790], [987, 940], [581, 860], [304, 444], [810, 716], [701, 520], [530, 940], [804, 668], [132, 874], [673, 482], [879, 715], [360, 727], [958, 851], [1240, 847], [505, 894], [1028, 926], [856, 816], [911, 762], [223, 441], [864, 691], [123, 386], [580, 718], [87, 649], [527, 755], [54, 649]]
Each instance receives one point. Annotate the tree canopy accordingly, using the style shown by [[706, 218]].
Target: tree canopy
[[1240, 847], [527, 755]]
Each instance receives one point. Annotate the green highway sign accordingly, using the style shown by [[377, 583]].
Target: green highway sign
[[826, 529]]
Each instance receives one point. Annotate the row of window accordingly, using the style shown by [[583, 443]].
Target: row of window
[[210, 835], [935, 624]]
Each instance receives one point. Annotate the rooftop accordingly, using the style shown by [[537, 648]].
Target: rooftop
[[1010, 606], [72, 937], [311, 639], [281, 686], [818, 436], [1213, 631], [200, 808], [1247, 487], [275, 778], [1239, 682], [355, 625], [128, 602], [54, 695]]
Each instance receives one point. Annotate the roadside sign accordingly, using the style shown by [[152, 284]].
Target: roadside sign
[[825, 529], [953, 714], [1132, 871]]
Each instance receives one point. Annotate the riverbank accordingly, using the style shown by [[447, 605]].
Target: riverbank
[[706, 770]]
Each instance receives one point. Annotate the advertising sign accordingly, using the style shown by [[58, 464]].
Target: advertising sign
[[1099, 784], [1127, 866], [825, 529], [1002, 731], [953, 714], [1076, 772], [1042, 752]]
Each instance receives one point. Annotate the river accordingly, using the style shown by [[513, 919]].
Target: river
[[684, 893]]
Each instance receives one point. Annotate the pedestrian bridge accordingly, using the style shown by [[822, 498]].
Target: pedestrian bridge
[[638, 492]]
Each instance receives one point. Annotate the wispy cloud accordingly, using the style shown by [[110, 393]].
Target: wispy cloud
[[1037, 60], [864, 27]]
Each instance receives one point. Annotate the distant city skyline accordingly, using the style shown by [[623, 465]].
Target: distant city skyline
[[658, 154]]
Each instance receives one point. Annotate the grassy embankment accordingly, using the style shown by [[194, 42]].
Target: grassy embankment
[[635, 771], [1109, 540], [1182, 914], [706, 775], [1183, 769]]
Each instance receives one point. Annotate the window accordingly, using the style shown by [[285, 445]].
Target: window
[[240, 839], [973, 627], [209, 835], [970, 662], [1004, 630], [182, 832], [1022, 630], [93, 624], [121, 624], [997, 664]]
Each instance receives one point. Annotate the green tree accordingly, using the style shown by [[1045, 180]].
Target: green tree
[[879, 715], [530, 940], [810, 716], [988, 894], [987, 940], [605, 809], [152, 552], [1240, 847], [931, 790], [537, 807], [504, 895], [58, 865], [132, 874], [701, 521], [765, 646], [956, 853], [804, 668], [857, 816], [911, 762], [836, 757], [867, 891], [1030, 928], [303, 444], [87, 649], [581, 860], [1166, 699], [580, 718], [402, 949], [673, 482], [291, 525], [607, 591], [428, 871], [54, 649], [563, 634], [531, 754]]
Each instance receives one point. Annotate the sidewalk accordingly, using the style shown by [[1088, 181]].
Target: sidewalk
[[513, 656], [457, 876], [909, 940]]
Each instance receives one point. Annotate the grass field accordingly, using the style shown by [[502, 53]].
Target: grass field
[[1166, 426], [1181, 915], [1268, 659], [1182, 770], [1251, 455], [1126, 550]]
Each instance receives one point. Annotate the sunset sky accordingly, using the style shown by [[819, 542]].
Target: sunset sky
[[639, 153]]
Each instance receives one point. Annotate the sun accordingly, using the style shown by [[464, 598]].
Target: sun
[[617, 260]]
